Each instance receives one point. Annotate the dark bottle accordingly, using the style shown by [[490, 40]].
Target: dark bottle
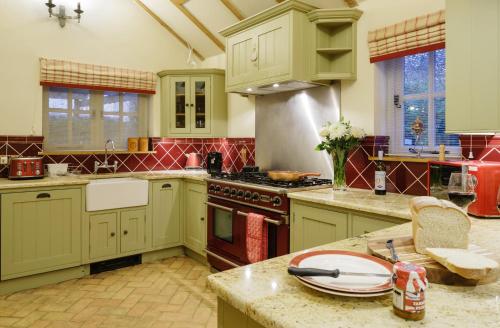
[[380, 174]]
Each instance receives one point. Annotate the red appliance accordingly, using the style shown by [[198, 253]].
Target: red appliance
[[194, 161], [231, 196], [26, 168], [488, 177]]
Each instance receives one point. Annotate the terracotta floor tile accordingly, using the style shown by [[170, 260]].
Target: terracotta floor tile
[[171, 293]]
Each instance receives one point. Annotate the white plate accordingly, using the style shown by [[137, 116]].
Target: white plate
[[339, 293], [348, 262]]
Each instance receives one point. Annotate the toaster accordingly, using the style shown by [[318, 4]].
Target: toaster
[[26, 168]]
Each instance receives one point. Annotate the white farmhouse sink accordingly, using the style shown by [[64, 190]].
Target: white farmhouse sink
[[105, 194]]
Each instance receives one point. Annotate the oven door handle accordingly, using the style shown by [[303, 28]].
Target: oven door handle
[[268, 220], [220, 206], [220, 258]]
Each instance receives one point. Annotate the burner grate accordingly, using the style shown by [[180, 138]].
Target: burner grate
[[261, 178]]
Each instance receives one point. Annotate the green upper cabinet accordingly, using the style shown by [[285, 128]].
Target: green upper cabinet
[[472, 66], [166, 213], [195, 216], [290, 46], [334, 39], [194, 103], [40, 231]]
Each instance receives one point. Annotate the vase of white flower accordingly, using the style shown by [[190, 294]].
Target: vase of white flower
[[338, 139]]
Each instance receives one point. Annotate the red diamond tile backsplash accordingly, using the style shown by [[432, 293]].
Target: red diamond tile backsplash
[[483, 147], [170, 153]]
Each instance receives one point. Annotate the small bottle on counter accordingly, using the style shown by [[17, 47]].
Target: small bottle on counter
[[410, 283], [380, 173]]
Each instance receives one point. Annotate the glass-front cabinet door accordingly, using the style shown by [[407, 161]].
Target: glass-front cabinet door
[[180, 104], [200, 105]]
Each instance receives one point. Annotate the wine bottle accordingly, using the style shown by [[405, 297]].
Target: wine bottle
[[380, 174]]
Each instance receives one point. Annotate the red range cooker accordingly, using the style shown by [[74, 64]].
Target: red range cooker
[[231, 197]]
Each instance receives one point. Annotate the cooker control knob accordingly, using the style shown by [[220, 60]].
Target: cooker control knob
[[233, 192], [276, 201], [240, 193], [255, 196], [37, 172], [19, 173], [248, 195], [227, 190], [211, 187], [217, 188]]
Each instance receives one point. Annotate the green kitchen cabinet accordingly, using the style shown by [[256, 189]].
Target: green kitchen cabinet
[[133, 230], [40, 231], [193, 103], [195, 217], [270, 47], [313, 226], [472, 66], [104, 235], [166, 213], [362, 224], [334, 43]]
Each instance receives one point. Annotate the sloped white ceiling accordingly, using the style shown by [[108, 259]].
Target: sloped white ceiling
[[215, 16]]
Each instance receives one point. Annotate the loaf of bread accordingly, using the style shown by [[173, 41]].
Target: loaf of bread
[[439, 224], [463, 262]]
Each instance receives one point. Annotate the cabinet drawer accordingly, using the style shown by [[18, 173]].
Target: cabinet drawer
[[40, 231]]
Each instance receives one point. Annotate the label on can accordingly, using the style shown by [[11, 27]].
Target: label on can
[[379, 180], [407, 301]]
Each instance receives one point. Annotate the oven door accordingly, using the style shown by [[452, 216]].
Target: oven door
[[225, 230]]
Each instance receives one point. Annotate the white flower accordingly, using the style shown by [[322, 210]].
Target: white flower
[[358, 133], [337, 130], [325, 131]]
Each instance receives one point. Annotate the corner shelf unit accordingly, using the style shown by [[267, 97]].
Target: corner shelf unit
[[334, 43]]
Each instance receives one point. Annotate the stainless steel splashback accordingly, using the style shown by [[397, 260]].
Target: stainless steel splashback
[[287, 129]]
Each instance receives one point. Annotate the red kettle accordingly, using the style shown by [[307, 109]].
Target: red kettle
[[194, 161]]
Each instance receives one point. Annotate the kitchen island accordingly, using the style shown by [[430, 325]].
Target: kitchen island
[[264, 295]]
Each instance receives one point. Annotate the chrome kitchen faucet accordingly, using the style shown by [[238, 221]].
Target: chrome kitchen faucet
[[105, 165]]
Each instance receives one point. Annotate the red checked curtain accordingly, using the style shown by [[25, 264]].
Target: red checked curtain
[[420, 34], [68, 74]]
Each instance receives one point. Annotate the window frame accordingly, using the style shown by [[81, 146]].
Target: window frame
[[97, 113], [395, 74]]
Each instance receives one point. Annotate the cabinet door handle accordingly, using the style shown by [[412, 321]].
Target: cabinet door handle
[[166, 185], [125, 232], [192, 105], [202, 218], [43, 195], [187, 105], [112, 234]]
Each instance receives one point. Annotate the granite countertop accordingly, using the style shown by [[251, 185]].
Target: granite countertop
[[394, 205], [6, 184], [267, 294]]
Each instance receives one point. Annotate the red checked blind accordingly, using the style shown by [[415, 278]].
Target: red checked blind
[[68, 74], [420, 34]]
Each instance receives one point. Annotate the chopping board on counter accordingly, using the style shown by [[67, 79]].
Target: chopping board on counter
[[436, 273]]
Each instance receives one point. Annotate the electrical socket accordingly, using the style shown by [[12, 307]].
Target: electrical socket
[[4, 160]]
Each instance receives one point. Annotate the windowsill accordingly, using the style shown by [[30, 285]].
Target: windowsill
[[412, 158], [91, 152]]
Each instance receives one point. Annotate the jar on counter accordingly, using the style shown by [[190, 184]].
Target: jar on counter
[[410, 283], [133, 145]]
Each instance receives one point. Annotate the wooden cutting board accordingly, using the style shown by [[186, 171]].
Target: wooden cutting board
[[436, 273]]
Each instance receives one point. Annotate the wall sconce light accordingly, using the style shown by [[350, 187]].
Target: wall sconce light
[[61, 15]]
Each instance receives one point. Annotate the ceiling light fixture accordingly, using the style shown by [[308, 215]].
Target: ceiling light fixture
[[61, 15], [249, 89], [276, 85]]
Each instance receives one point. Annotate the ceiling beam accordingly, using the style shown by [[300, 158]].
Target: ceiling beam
[[232, 8], [168, 28], [180, 5]]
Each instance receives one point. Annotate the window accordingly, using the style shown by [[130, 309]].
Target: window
[[419, 92], [80, 119]]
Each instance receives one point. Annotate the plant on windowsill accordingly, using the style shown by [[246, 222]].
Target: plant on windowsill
[[338, 139]]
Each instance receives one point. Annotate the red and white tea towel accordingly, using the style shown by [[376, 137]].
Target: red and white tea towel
[[256, 237]]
